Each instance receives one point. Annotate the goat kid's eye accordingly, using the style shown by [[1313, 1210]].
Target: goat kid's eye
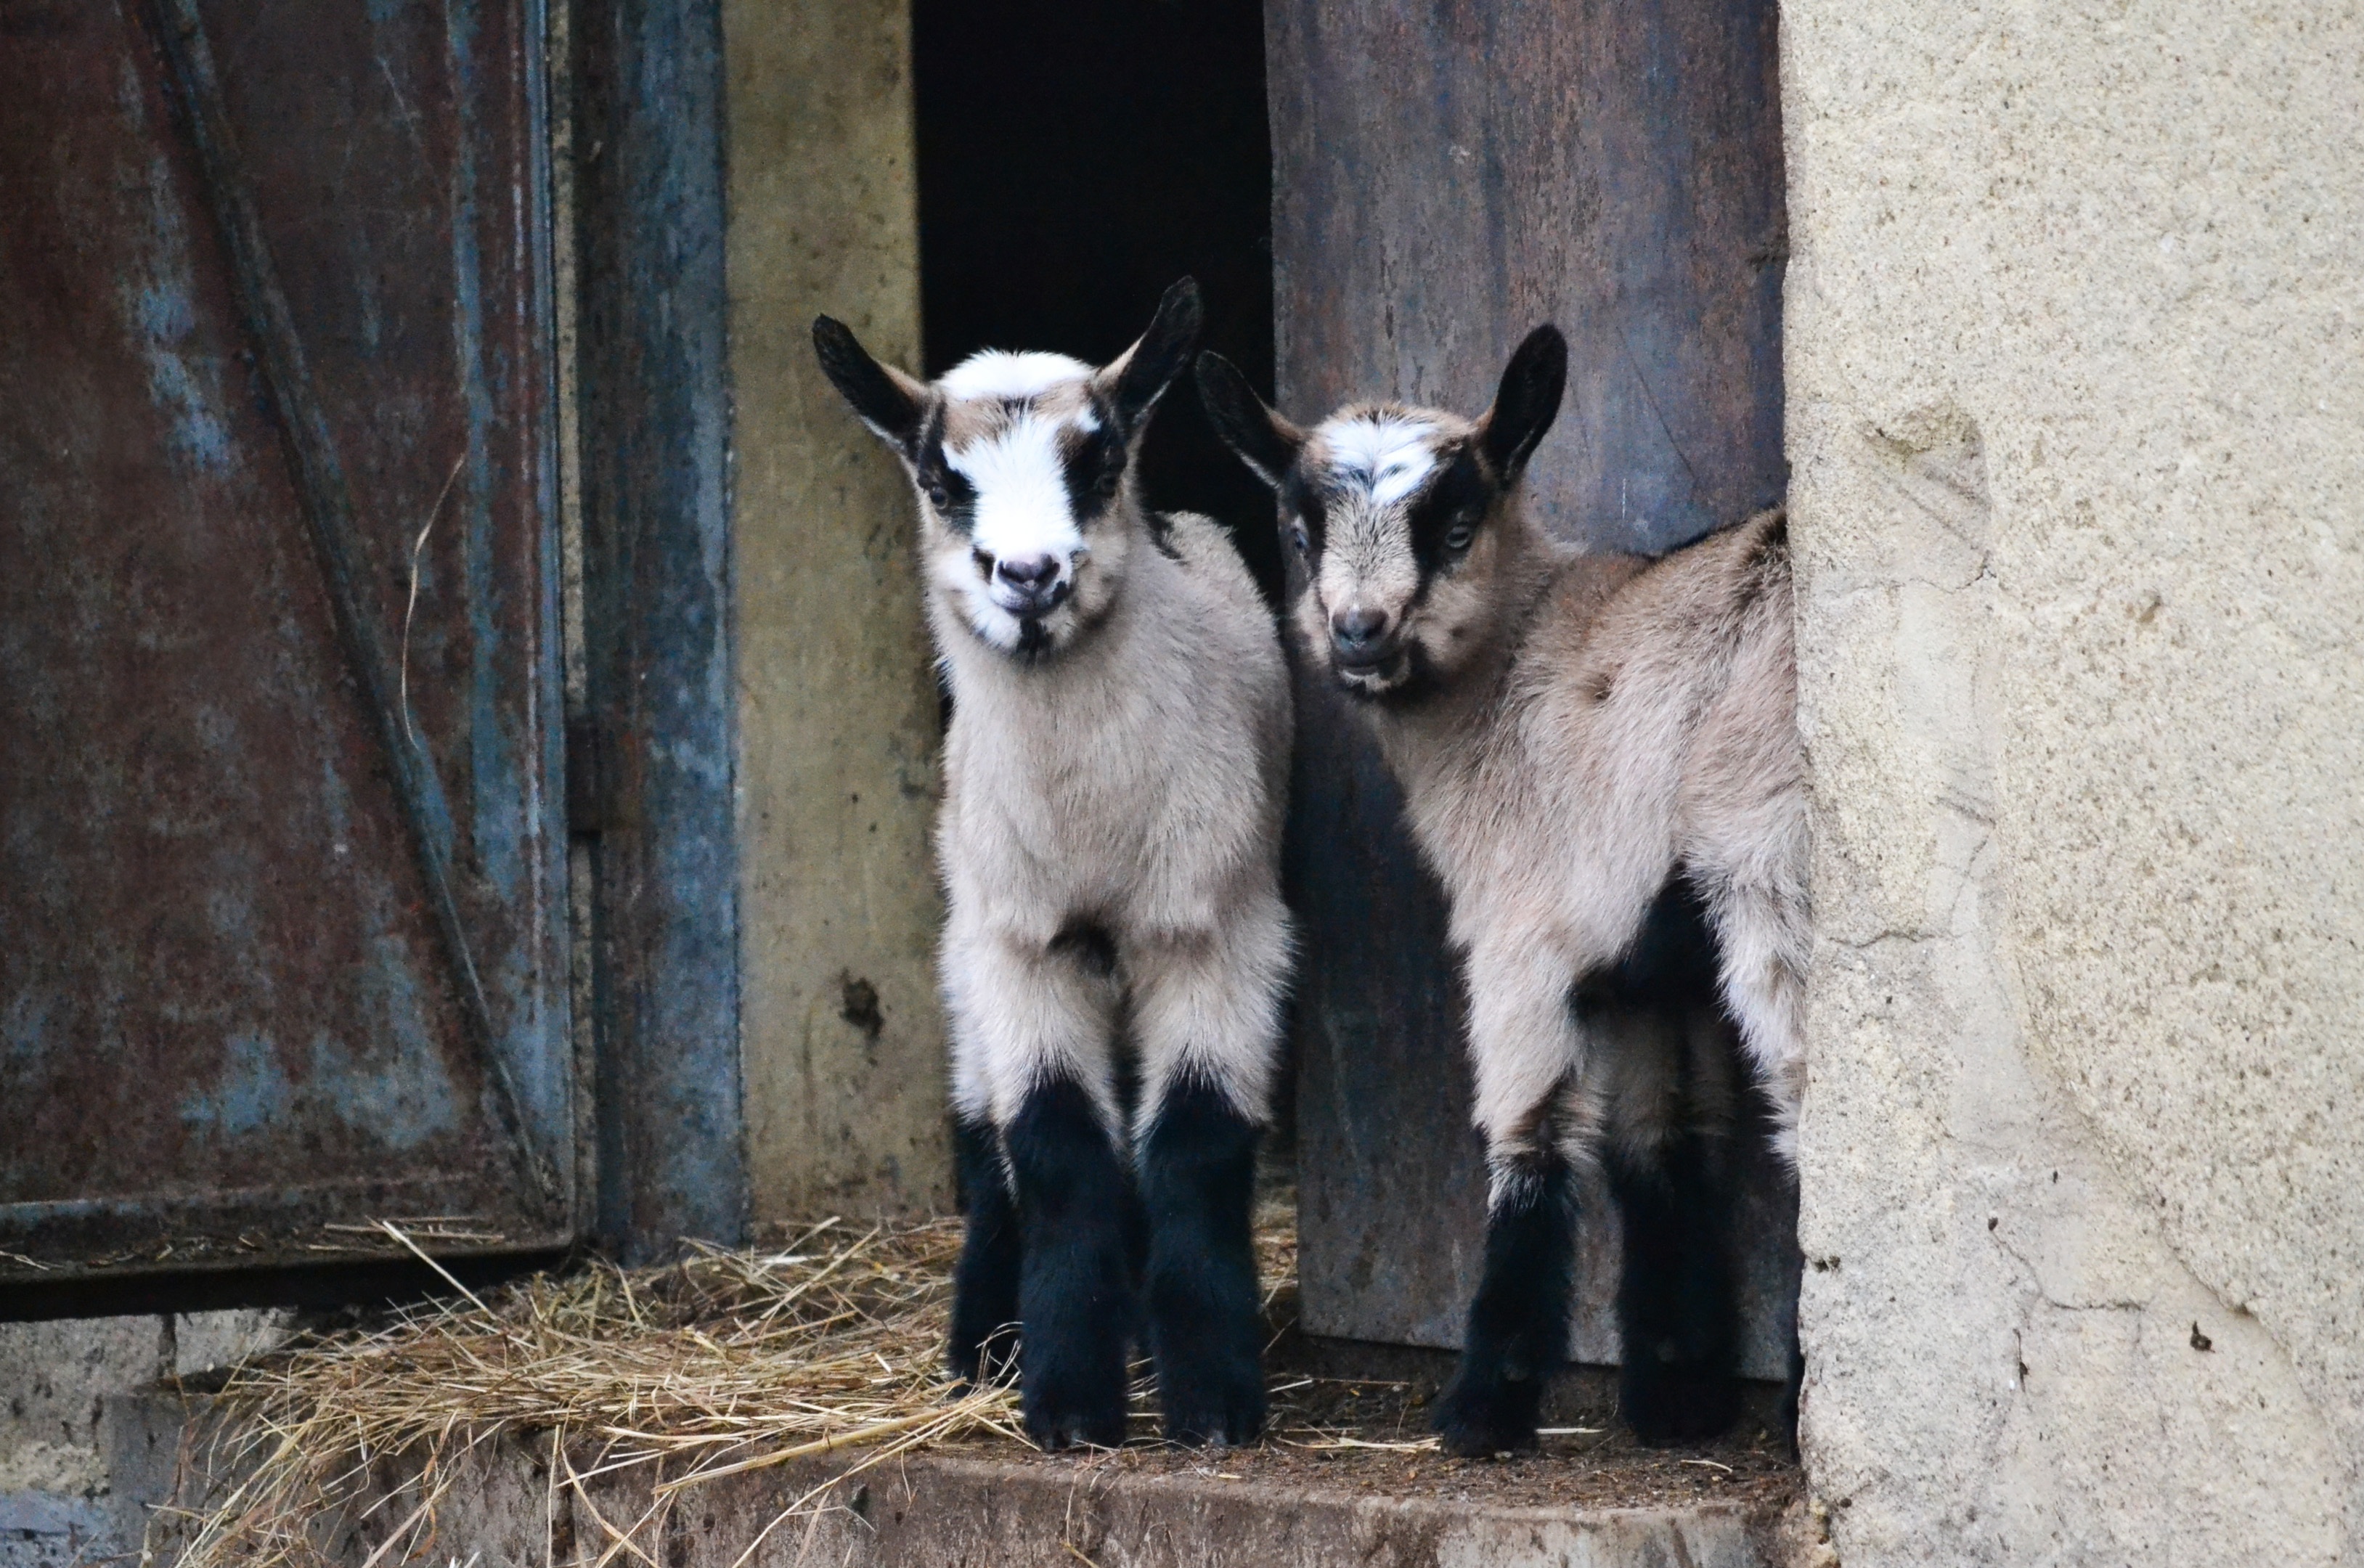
[[1458, 537], [939, 497], [1297, 537], [1107, 483]]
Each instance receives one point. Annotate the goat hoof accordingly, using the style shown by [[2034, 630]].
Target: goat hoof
[[1227, 1413], [1071, 1411], [1480, 1422], [1673, 1405], [1055, 1430]]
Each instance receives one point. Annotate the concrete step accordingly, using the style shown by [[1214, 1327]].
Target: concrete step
[[990, 1506]]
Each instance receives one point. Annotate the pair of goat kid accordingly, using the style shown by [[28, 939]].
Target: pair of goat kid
[[1600, 757]]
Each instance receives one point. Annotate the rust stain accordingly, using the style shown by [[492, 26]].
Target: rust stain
[[228, 1016]]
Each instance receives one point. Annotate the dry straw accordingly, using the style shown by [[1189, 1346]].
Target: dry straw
[[724, 1363]]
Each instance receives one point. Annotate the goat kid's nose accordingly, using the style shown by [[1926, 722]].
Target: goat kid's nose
[[1356, 630], [1032, 573]]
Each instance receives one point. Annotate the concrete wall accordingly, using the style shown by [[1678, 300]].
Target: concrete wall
[[2074, 318], [838, 722], [78, 1445]]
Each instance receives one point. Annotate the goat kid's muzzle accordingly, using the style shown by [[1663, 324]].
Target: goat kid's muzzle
[[1363, 641], [1029, 587]]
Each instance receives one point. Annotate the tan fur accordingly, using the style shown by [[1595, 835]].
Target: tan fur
[[1573, 732], [1620, 722], [1134, 783], [1110, 837]]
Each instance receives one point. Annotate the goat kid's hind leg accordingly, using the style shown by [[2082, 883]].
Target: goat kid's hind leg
[[1524, 1049], [1675, 1302], [1032, 1032], [1761, 927], [1207, 1013], [1669, 1084]]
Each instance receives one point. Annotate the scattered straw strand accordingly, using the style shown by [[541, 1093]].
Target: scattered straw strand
[[410, 607]]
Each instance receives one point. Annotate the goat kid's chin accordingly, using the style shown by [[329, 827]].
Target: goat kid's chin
[[1028, 627]]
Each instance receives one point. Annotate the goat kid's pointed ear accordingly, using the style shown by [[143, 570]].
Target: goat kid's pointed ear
[[1137, 378], [890, 403], [1526, 404], [1261, 438]]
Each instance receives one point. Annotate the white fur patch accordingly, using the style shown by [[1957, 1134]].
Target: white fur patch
[[1021, 492], [1391, 456], [996, 374]]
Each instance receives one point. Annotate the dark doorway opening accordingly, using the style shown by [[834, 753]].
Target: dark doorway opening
[[1073, 159]]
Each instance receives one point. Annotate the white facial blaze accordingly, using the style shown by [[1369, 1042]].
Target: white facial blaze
[[1386, 458], [1023, 510], [1375, 464], [1021, 493]]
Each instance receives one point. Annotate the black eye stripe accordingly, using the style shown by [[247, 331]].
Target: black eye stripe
[[936, 474], [1459, 496], [1092, 461], [1307, 504]]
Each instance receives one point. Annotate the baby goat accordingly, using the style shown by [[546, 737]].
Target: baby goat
[[1109, 841], [1601, 759]]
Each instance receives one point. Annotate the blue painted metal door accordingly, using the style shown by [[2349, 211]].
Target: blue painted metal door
[[282, 838]]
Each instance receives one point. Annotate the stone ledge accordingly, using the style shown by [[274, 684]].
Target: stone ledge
[[961, 1510]]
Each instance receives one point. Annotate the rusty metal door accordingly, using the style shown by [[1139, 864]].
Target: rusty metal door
[[1445, 176], [282, 829]]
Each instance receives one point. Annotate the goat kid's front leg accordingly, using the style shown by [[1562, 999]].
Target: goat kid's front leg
[[1207, 1012], [1524, 1048], [985, 1282], [1031, 1033]]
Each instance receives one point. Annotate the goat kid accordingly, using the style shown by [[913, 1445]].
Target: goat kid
[[1109, 843], [1600, 761]]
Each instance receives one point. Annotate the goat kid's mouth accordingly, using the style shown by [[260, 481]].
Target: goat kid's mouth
[[1031, 606], [1372, 677]]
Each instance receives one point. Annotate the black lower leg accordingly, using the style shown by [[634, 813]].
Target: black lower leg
[[1075, 1292], [985, 1286], [1198, 1181], [1518, 1324], [1676, 1312]]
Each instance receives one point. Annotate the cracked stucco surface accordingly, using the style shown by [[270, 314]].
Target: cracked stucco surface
[[2074, 316]]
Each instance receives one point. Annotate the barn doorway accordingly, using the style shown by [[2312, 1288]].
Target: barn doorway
[[1413, 192], [1072, 162]]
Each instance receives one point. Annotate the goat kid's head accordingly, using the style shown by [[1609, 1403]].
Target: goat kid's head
[[1395, 515], [1023, 464]]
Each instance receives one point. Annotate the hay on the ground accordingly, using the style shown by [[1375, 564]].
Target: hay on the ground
[[725, 1362]]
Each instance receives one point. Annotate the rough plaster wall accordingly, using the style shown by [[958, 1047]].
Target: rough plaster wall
[[2072, 337], [838, 724]]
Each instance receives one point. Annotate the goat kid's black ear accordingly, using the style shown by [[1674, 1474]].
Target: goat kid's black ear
[[1261, 438], [890, 403], [1140, 376], [1527, 402]]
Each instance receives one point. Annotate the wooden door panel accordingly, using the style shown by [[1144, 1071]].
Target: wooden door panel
[[1447, 176]]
